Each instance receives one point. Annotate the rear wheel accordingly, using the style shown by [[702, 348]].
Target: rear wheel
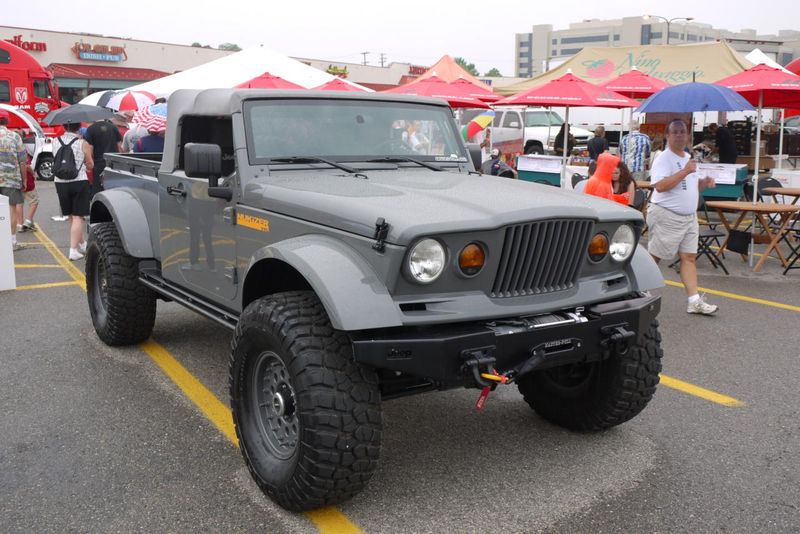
[[123, 310], [597, 395], [308, 417], [534, 148]]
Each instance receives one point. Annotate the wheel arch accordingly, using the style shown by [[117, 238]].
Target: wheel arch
[[126, 212], [348, 287]]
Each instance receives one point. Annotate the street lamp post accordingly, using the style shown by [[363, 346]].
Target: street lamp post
[[668, 21]]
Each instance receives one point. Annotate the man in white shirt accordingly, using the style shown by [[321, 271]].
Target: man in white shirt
[[672, 216]]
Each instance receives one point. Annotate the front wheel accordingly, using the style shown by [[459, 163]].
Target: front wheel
[[534, 148], [308, 417], [597, 395], [123, 310], [44, 169]]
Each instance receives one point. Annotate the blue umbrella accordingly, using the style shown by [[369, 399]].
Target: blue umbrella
[[694, 96]]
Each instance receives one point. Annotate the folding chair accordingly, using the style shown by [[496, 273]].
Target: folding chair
[[708, 235]]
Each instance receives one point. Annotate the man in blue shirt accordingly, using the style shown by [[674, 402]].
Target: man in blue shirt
[[634, 149]]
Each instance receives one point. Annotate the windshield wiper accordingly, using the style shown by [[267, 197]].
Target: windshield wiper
[[313, 159], [397, 159]]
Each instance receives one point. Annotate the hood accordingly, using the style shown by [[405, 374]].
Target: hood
[[420, 202]]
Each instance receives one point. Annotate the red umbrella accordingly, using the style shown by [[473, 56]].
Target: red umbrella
[[130, 100], [435, 87], [635, 84], [569, 91], [269, 81], [337, 84], [476, 91]]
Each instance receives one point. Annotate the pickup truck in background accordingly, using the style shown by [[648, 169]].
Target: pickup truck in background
[[522, 130], [353, 268]]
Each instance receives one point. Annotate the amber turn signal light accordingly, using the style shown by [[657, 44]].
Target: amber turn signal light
[[471, 259], [598, 247]]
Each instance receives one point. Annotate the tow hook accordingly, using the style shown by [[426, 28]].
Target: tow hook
[[481, 362], [616, 335]]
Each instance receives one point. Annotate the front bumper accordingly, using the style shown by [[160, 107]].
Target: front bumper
[[447, 353]]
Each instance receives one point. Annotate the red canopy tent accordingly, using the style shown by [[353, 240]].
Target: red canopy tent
[[437, 88], [474, 90], [337, 84], [568, 91], [769, 87], [634, 84], [269, 81]]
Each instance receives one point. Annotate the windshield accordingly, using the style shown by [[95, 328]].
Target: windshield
[[349, 130], [542, 118]]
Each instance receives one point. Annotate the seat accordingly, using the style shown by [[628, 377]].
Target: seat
[[639, 198], [580, 186], [577, 177], [708, 235]]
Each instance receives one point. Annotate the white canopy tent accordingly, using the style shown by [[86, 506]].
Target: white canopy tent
[[757, 57], [232, 70]]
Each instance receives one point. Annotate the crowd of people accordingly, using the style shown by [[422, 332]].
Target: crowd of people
[[88, 146]]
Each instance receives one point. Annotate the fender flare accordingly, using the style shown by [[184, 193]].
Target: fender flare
[[127, 213], [644, 272], [351, 291]]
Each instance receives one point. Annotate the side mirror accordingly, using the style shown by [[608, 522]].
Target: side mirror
[[475, 155], [203, 160]]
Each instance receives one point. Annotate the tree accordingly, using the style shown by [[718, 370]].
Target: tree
[[493, 73], [197, 45], [469, 67], [233, 47]]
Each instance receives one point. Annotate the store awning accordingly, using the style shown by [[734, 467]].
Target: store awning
[[99, 72]]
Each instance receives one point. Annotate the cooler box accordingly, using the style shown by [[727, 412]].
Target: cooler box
[[546, 169], [730, 180]]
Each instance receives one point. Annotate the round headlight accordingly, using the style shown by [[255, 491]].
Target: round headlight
[[622, 243], [426, 261], [598, 247]]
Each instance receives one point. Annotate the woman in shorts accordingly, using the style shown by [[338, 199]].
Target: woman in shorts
[[73, 195]]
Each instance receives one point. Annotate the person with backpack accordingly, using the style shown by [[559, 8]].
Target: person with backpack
[[72, 159]]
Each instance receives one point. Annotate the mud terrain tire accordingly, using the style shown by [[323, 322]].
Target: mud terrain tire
[[123, 310], [599, 395], [308, 418]]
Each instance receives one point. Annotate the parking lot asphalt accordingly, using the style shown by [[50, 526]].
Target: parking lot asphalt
[[94, 438]]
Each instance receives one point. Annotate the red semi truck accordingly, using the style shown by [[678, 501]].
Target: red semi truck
[[25, 84]]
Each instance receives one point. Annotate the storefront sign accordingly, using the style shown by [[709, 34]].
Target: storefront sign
[[30, 46], [99, 52], [341, 72]]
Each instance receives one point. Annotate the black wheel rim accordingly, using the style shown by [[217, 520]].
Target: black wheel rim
[[100, 290], [573, 378], [274, 404]]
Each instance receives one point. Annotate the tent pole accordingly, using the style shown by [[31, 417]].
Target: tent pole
[[565, 142], [780, 142], [755, 173]]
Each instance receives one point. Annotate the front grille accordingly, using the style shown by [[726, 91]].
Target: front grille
[[541, 257]]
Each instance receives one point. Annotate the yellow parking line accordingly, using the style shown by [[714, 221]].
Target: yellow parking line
[[36, 266], [697, 391], [46, 286], [743, 298], [328, 520]]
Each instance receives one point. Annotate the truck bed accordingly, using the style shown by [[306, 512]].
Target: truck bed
[[144, 164]]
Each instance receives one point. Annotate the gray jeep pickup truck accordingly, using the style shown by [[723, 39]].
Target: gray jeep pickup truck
[[352, 269]]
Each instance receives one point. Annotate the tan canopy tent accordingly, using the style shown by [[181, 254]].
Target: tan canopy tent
[[448, 70], [674, 64]]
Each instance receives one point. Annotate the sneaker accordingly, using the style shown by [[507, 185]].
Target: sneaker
[[29, 225], [82, 247], [20, 228], [74, 255], [701, 307]]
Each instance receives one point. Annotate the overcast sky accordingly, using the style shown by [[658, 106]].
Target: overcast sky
[[413, 31]]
